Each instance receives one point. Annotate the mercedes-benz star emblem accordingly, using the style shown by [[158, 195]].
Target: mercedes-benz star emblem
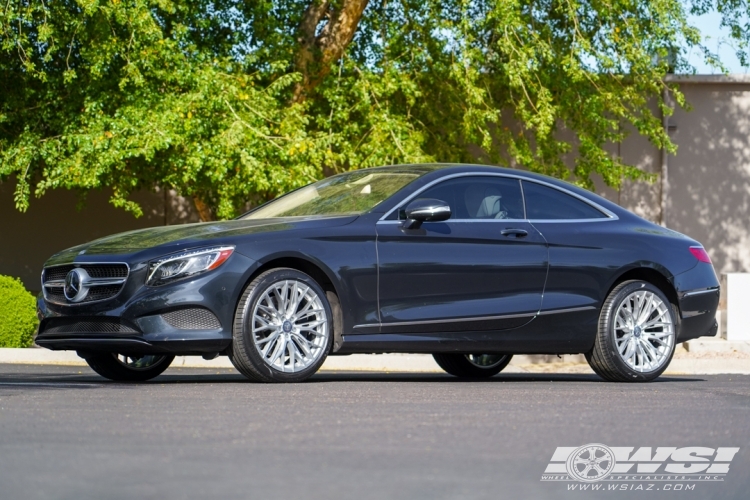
[[75, 285]]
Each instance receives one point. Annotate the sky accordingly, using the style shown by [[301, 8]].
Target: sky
[[715, 38]]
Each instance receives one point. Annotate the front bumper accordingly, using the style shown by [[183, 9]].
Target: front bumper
[[193, 316]]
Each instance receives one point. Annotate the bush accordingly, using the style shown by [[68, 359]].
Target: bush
[[18, 319]]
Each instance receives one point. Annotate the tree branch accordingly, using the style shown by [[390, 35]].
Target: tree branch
[[319, 50], [204, 211]]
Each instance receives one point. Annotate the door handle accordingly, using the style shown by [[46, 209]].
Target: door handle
[[514, 233]]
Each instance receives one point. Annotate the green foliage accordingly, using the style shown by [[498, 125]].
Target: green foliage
[[18, 320], [196, 95]]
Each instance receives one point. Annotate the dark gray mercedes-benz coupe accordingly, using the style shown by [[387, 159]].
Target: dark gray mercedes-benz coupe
[[471, 264]]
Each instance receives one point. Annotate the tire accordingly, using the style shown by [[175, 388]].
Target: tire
[[630, 350], [131, 368], [272, 337], [472, 365]]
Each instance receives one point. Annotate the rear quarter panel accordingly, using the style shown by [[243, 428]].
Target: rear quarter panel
[[587, 258]]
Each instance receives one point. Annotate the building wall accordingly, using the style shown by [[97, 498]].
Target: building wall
[[709, 178]]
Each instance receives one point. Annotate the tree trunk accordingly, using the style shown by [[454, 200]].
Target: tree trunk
[[204, 211], [316, 53]]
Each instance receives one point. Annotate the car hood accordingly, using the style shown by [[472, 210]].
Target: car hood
[[174, 238]]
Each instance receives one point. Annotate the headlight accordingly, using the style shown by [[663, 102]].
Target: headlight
[[185, 264]]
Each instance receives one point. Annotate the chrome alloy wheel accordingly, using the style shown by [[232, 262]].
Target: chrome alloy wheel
[[290, 326], [644, 331], [485, 360], [139, 362]]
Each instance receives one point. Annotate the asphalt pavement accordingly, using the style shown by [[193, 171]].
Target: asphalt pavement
[[66, 433]]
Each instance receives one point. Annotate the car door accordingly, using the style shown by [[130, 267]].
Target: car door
[[580, 249], [482, 269]]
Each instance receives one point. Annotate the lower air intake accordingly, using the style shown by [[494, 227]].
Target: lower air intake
[[88, 325], [192, 319]]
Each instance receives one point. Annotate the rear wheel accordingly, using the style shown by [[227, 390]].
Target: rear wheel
[[636, 337], [283, 327], [472, 365], [129, 368]]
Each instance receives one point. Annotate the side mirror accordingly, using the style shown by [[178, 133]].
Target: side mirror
[[425, 210]]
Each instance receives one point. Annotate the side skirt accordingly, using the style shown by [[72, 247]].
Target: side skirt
[[569, 333]]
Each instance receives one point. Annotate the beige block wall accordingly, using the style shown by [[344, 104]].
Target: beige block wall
[[642, 198], [709, 178]]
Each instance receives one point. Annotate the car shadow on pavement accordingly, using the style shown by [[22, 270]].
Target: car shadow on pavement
[[501, 378], [58, 377]]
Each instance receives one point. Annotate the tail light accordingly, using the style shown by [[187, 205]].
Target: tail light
[[700, 254]]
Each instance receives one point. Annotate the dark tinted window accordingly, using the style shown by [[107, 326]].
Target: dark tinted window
[[543, 202], [480, 197]]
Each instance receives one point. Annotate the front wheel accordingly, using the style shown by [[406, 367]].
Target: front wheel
[[283, 327], [636, 337], [129, 368], [472, 365]]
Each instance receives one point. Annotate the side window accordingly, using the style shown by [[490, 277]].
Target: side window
[[480, 197], [543, 202]]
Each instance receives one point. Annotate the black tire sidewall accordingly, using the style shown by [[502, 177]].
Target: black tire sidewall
[[610, 345], [249, 352]]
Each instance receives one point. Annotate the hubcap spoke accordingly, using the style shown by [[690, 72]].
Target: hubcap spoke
[[268, 339], [310, 325], [660, 341], [624, 343], [303, 344], [289, 326]]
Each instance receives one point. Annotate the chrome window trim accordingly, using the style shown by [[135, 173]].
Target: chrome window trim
[[523, 199], [459, 220], [609, 215], [566, 221], [478, 318], [55, 283]]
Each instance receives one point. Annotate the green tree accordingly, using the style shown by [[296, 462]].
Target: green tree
[[236, 102]]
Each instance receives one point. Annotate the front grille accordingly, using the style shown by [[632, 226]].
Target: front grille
[[107, 271], [192, 319], [53, 279], [54, 294], [87, 325], [102, 292], [58, 273]]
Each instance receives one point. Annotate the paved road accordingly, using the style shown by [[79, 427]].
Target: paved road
[[198, 433]]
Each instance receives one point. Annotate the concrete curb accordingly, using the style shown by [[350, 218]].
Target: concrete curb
[[683, 363]]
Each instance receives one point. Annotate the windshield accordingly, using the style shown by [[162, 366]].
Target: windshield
[[346, 194]]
